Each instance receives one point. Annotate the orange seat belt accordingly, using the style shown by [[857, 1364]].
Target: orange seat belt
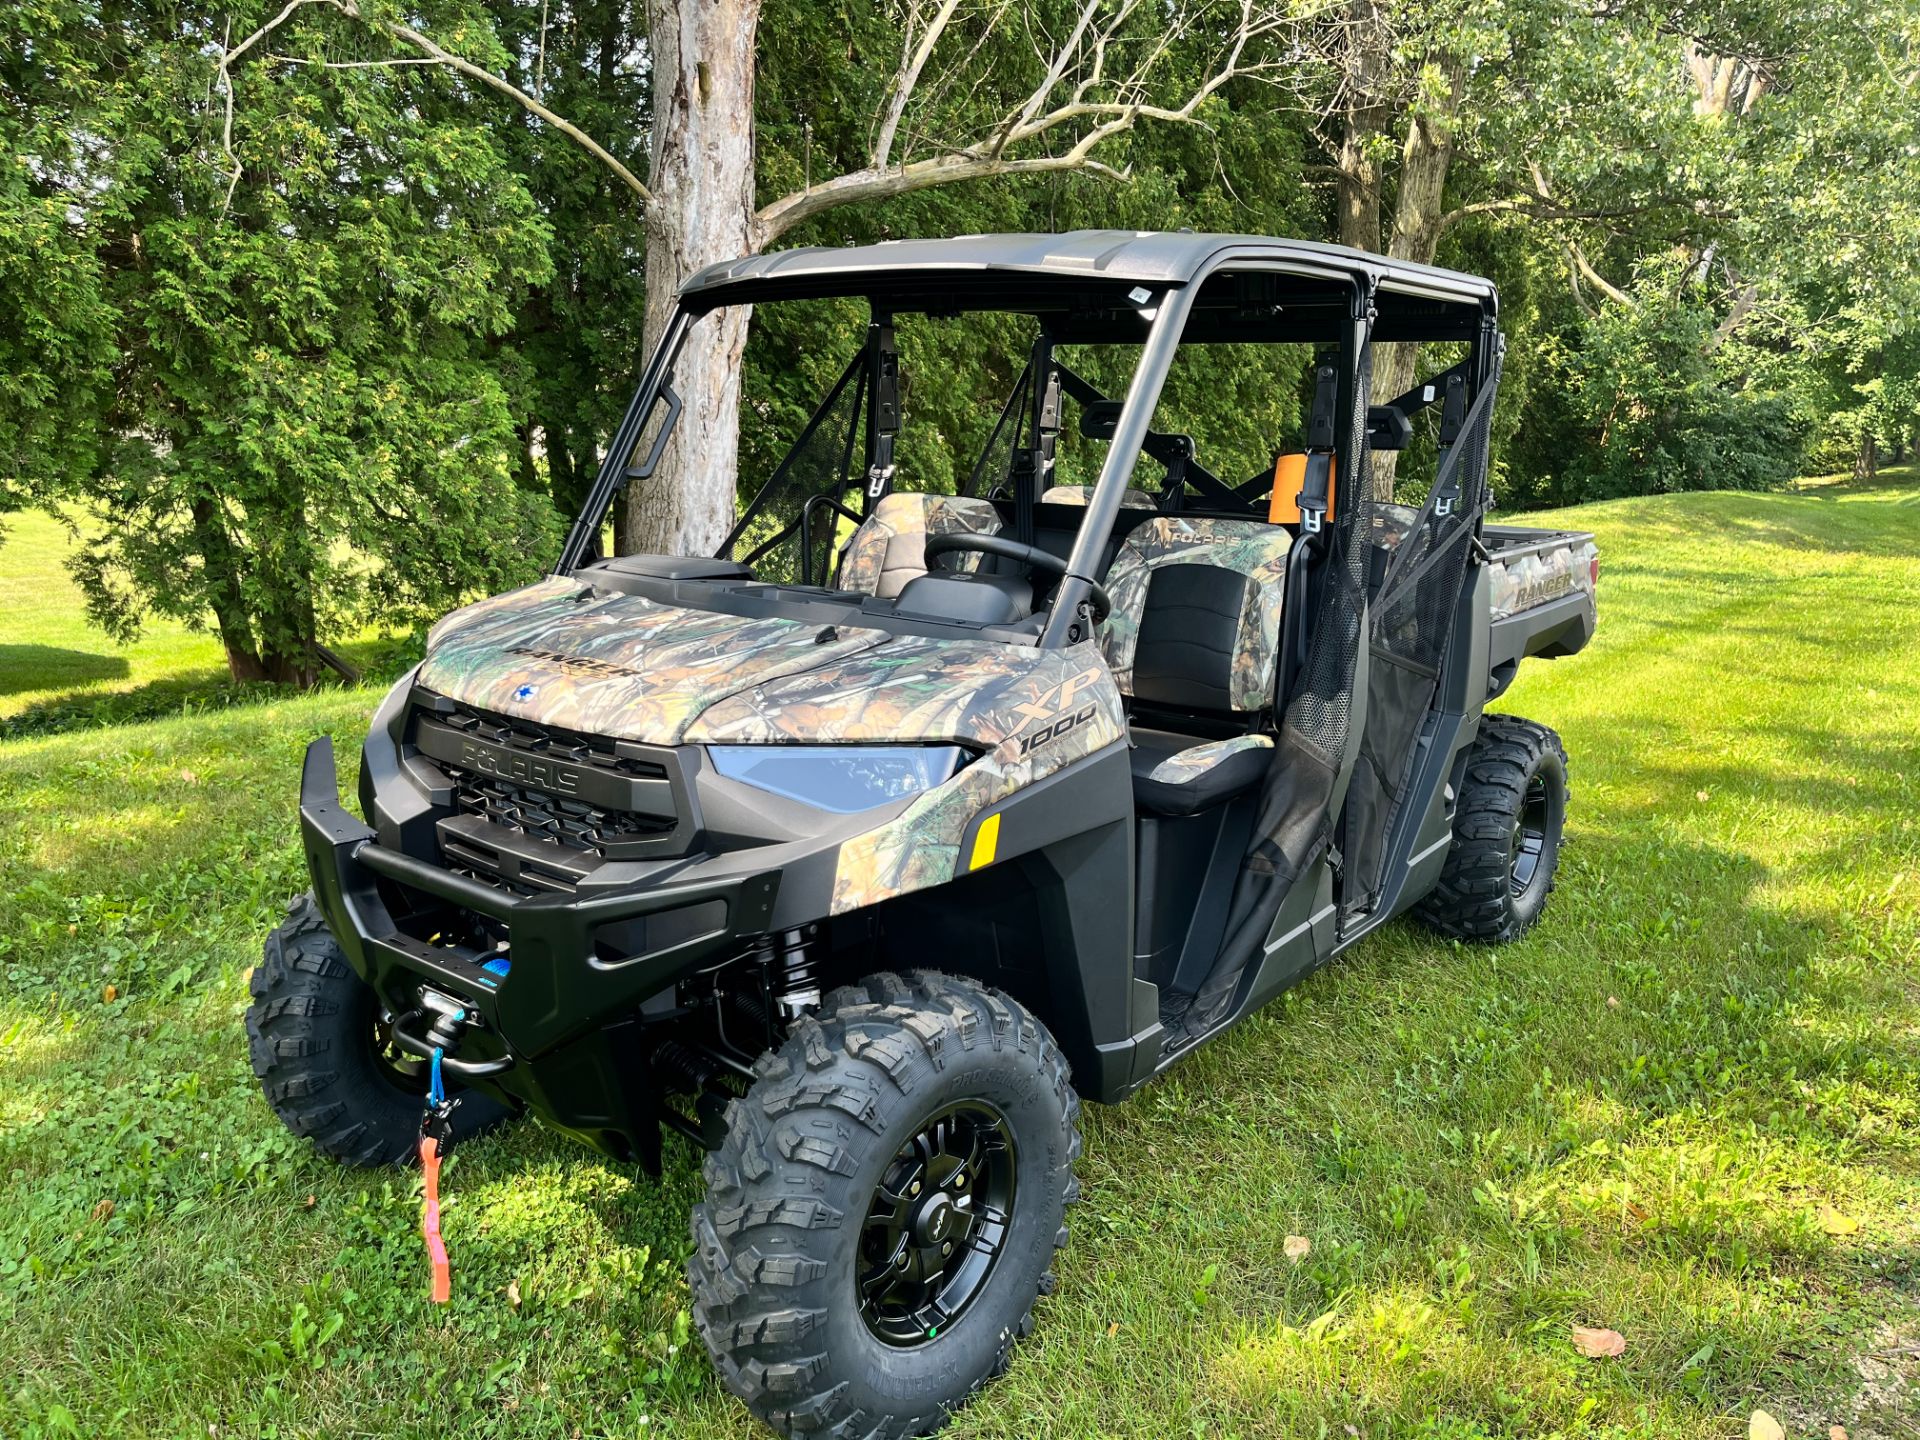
[[1303, 481], [1290, 480]]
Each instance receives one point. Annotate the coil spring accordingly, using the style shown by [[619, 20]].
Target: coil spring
[[795, 970]]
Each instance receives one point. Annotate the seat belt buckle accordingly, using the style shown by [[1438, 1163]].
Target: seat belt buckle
[[1316, 492]]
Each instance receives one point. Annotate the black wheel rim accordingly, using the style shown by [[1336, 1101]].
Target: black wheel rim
[[405, 1073], [937, 1225], [1524, 868]]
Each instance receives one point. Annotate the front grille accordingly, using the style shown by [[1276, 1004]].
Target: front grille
[[596, 751], [553, 818], [533, 805]]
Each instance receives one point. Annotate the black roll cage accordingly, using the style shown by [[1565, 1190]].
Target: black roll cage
[[1168, 313]]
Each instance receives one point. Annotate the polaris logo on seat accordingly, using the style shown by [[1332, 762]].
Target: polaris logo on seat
[[533, 771]]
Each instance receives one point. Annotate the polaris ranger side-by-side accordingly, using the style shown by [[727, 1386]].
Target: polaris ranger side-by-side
[[953, 790]]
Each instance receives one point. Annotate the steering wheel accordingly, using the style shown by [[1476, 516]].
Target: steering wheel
[[1032, 556]]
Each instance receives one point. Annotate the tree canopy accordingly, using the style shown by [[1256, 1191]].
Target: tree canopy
[[324, 311]]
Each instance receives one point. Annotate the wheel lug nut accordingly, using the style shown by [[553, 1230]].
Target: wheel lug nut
[[914, 1189], [947, 1249]]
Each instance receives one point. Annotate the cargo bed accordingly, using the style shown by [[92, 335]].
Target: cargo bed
[[1541, 597]]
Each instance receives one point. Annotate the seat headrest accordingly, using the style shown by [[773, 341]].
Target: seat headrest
[[1250, 550], [890, 547]]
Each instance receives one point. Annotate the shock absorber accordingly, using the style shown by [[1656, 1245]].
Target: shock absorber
[[793, 965]]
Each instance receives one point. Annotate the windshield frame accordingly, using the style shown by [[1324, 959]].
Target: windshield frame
[[1165, 311]]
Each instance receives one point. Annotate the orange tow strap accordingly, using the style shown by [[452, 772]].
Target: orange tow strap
[[430, 1221]]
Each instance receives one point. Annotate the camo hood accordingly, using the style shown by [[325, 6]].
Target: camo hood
[[564, 654]]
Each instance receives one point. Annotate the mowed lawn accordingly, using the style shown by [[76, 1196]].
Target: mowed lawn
[[52, 663], [1687, 1108], [57, 673]]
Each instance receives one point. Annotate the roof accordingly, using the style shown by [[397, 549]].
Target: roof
[[1153, 258]]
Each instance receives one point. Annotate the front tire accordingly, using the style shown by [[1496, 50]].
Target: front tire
[[1507, 829], [314, 1035], [845, 1278]]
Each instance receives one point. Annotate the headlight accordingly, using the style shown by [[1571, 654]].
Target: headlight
[[843, 779]]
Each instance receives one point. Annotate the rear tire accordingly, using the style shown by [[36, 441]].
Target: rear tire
[[314, 1036], [1507, 830], [818, 1256]]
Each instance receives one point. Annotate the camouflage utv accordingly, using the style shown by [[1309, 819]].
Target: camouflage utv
[[950, 791]]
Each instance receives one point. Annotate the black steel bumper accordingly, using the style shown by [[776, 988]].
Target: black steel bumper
[[561, 985]]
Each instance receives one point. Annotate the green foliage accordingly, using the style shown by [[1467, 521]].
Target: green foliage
[[577, 334], [310, 413], [357, 377], [1655, 399]]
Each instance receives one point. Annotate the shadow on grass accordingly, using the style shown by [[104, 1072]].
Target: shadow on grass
[[1890, 477], [41, 667], [193, 693], [190, 694]]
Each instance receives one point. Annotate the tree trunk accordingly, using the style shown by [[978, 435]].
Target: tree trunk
[[1357, 190], [289, 634], [565, 482], [224, 595], [702, 212], [1866, 460], [526, 465], [242, 664], [1357, 186], [1424, 162]]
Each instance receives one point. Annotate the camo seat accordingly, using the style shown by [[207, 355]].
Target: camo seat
[[1174, 776], [1080, 494], [890, 547], [1193, 640]]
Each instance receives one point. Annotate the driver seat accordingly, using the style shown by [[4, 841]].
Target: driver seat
[[890, 547]]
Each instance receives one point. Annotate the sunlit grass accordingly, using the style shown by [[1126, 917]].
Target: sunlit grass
[[59, 673], [1686, 1108]]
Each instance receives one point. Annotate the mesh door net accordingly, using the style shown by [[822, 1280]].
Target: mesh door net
[[1426, 555], [1294, 824]]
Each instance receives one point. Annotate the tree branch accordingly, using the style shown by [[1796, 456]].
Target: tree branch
[[395, 62], [1545, 210], [1596, 279], [224, 74], [1746, 299], [862, 185], [433, 54], [514, 93], [1076, 96], [913, 59]]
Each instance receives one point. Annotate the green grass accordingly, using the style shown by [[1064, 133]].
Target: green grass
[[1650, 1115], [59, 674], [48, 655]]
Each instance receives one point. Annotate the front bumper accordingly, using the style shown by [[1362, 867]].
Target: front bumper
[[561, 985]]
